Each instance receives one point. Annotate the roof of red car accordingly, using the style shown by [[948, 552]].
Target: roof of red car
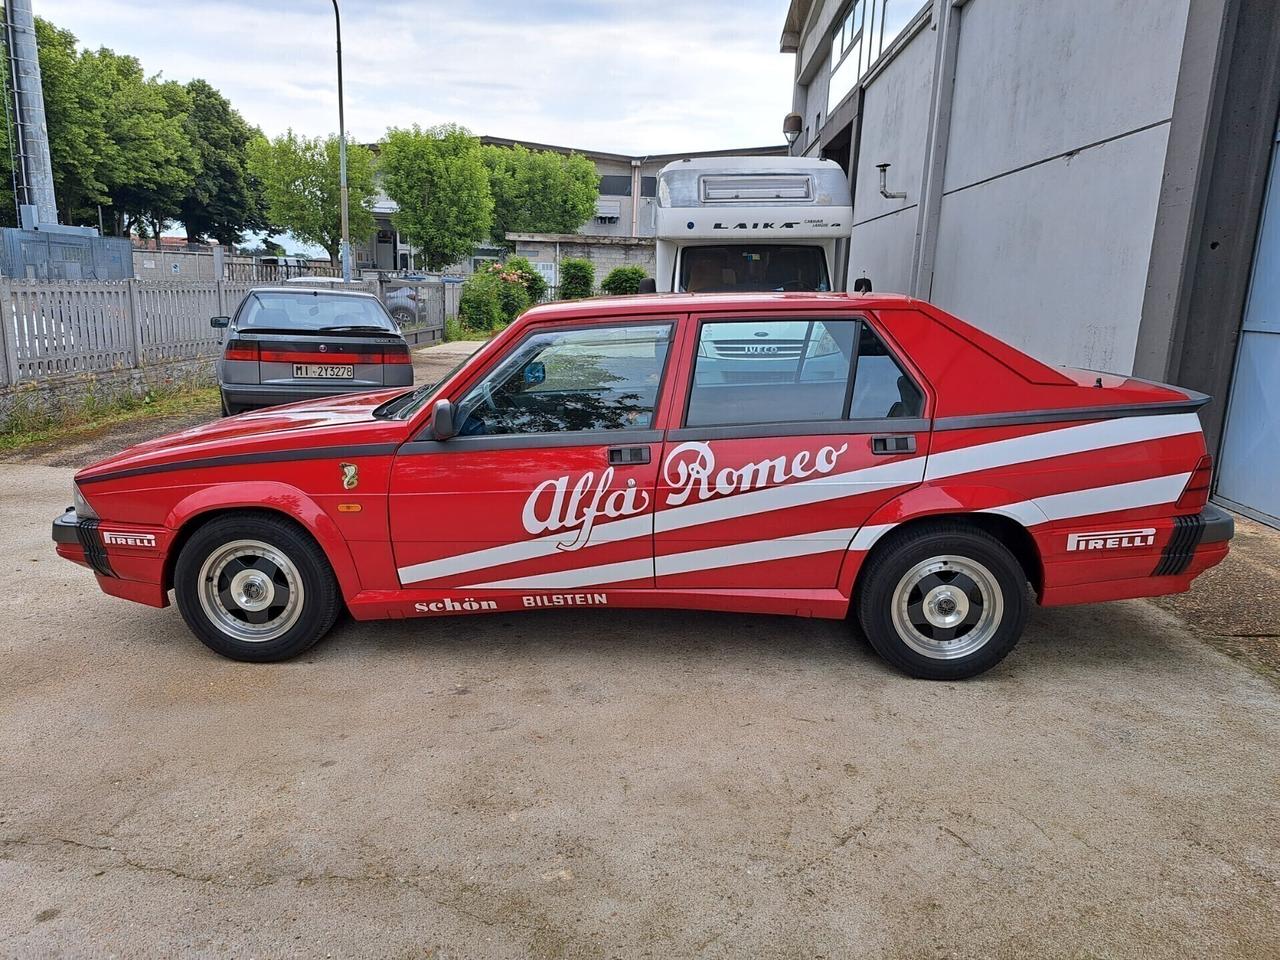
[[696, 302]]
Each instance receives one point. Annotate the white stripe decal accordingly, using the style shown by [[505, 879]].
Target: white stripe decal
[[1058, 443], [1058, 506], [999, 453], [709, 558]]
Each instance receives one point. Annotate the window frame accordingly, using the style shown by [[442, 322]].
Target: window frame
[[845, 424], [562, 438]]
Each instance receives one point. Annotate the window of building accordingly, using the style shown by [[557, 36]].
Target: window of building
[[783, 371], [598, 378], [861, 35], [615, 185], [648, 186]]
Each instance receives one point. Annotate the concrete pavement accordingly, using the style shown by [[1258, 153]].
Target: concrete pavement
[[597, 783]]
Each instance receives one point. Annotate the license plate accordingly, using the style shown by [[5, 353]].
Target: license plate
[[324, 371]]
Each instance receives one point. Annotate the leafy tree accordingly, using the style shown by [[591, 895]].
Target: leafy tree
[[224, 198], [577, 279], [299, 177], [622, 280], [438, 180], [539, 191], [149, 129]]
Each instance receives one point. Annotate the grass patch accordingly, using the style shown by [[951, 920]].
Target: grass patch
[[30, 425]]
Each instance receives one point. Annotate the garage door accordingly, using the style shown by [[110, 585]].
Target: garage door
[[1250, 461]]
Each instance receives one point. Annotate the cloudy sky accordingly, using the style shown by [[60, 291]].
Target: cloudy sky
[[628, 76]]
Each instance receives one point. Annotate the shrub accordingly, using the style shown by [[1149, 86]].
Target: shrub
[[534, 282], [577, 279], [623, 280], [478, 308]]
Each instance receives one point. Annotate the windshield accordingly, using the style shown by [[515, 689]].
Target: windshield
[[312, 310], [767, 266]]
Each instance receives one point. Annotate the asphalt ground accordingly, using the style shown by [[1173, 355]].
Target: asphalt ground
[[595, 783]]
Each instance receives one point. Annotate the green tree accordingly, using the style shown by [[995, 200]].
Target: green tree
[[577, 279], [533, 281], [149, 130], [299, 177], [623, 280], [224, 199], [539, 191], [438, 180]]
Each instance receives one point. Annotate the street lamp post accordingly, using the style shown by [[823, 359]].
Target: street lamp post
[[342, 157]]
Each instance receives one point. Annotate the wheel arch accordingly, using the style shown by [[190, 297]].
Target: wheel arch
[[282, 500], [926, 505]]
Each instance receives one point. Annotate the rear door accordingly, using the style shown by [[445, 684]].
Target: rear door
[[782, 451], [549, 485]]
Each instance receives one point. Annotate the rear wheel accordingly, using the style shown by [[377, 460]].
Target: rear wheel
[[255, 587], [943, 601], [404, 316]]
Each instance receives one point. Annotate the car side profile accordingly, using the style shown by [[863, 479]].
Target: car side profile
[[887, 463], [291, 343]]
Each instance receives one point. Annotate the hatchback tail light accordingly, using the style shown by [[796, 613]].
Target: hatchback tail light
[[1196, 493], [396, 355], [241, 350]]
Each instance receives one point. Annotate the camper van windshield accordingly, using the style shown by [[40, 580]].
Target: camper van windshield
[[769, 266]]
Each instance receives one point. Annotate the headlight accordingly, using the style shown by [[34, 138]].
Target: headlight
[[82, 505]]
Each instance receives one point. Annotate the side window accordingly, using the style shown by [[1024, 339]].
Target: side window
[[880, 387], [770, 371], [595, 378]]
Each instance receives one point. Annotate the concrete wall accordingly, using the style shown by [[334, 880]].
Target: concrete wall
[[1059, 126], [606, 253], [1043, 163]]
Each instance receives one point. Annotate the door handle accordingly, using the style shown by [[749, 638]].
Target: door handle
[[887, 446], [623, 456]]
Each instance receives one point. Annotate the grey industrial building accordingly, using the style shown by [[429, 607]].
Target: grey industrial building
[[1085, 179]]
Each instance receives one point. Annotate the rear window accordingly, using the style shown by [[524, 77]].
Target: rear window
[[312, 310], [766, 266]]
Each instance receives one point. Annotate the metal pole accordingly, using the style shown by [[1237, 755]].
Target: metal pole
[[342, 157]]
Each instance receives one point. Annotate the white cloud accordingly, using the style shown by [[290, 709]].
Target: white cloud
[[616, 75]]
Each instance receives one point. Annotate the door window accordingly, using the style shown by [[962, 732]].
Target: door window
[[593, 378], [771, 371]]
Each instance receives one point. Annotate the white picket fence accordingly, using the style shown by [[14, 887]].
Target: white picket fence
[[58, 328]]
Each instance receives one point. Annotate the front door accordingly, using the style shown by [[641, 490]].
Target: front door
[[549, 485], [794, 432]]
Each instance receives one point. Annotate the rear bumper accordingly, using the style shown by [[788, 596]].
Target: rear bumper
[[1193, 545], [274, 394]]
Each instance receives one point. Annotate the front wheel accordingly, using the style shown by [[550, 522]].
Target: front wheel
[[255, 587], [943, 601]]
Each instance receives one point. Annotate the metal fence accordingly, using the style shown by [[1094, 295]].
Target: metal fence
[[59, 328]]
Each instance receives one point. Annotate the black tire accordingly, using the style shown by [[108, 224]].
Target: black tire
[[918, 581], [289, 574], [403, 316]]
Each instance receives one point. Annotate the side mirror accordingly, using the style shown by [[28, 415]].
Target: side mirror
[[442, 425], [219, 322], [648, 285], [862, 285], [535, 373]]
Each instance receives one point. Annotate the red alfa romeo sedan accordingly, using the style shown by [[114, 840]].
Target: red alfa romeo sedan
[[821, 455]]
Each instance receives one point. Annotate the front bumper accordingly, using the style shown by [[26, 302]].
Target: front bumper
[[71, 531], [128, 559]]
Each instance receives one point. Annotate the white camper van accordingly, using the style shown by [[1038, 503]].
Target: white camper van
[[752, 223]]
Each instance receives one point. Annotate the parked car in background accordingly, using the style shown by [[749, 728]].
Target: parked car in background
[[292, 343], [623, 453]]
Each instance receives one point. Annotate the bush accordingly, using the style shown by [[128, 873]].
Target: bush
[[495, 295], [534, 282], [623, 280], [478, 308], [577, 279]]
